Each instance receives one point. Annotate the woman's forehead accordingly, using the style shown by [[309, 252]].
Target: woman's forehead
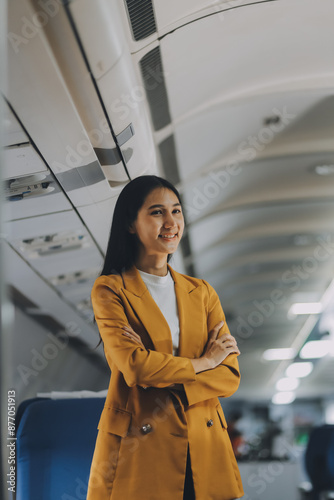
[[161, 195]]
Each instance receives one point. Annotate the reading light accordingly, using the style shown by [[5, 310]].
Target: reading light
[[287, 384], [324, 169], [283, 398], [279, 354], [317, 349], [305, 308], [299, 370]]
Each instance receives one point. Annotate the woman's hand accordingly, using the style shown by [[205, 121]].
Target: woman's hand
[[217, 349], [129, 332]]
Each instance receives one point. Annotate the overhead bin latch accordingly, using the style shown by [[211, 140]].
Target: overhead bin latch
[[112, 156], [125, 135]]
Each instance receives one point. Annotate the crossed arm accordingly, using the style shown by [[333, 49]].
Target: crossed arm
[[215, 373]]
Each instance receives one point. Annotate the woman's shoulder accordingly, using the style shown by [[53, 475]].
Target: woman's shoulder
[[112, 281]]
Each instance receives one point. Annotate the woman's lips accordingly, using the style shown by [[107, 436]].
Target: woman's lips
[[168, 238]]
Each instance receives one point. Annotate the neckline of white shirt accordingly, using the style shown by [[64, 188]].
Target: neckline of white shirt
[[153, 279]]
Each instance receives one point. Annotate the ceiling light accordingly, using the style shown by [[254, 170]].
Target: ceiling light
[[302, 239], [287, 384], [305, 308], [279, 354], [283, 398], [324, 169], [299, 370], [317, 349], [329, 414]]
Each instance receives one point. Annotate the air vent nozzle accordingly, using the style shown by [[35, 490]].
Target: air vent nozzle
[[54, 243], [26, 187]]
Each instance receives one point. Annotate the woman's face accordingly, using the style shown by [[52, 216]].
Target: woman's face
[[159, 218]]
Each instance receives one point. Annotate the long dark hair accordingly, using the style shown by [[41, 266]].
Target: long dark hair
[[123, 246]]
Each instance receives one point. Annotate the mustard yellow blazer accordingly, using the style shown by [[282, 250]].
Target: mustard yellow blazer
[[146, 427]]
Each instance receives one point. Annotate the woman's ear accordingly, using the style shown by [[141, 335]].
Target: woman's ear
[[131, 229]]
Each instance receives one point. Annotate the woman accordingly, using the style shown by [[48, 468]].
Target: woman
[[162, 433]]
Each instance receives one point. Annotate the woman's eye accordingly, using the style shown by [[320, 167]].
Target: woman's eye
[[177, 210]]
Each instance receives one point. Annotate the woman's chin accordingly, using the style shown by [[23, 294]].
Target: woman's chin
[[173, 244]]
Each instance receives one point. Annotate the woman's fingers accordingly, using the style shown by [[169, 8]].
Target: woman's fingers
[[129, 329], [213, 334], [132, 337], [130, 333], [229, 342], [218, 348], [232, 350], [227, 337]]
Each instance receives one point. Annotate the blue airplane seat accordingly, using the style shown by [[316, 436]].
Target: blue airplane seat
[[55, 445], [319, 461], [22, 408]]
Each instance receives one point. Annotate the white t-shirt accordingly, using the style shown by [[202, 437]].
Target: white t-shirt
[[163, 292]]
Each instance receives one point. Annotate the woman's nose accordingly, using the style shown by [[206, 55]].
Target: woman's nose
[[169, 221]]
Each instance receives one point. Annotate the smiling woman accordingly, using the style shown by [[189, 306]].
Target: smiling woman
[[159, 223], [148, 208], [162, 433]]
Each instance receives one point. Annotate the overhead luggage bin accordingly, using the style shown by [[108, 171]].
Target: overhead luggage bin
[[121, 92], [58, 132]]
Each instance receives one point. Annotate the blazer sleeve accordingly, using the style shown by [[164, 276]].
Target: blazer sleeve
[[139, 366], [223, 380]]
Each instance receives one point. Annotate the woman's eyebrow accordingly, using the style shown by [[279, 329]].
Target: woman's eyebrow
[[155, 206]]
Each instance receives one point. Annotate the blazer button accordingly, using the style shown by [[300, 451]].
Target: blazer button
[[146, 428], [209, 423]]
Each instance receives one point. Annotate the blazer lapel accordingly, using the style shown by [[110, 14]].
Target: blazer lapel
[[147, 311], [190, 310]]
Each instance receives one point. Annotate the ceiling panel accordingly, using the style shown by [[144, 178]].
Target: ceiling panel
[[98, 219], [235, 134], [13, 133], [22, 276], [272, 220], [235, 255], [54, 243], [174, 13], [254, 183], [227, 58]]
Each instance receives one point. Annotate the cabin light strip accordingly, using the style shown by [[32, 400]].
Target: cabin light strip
[[305, 308]]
